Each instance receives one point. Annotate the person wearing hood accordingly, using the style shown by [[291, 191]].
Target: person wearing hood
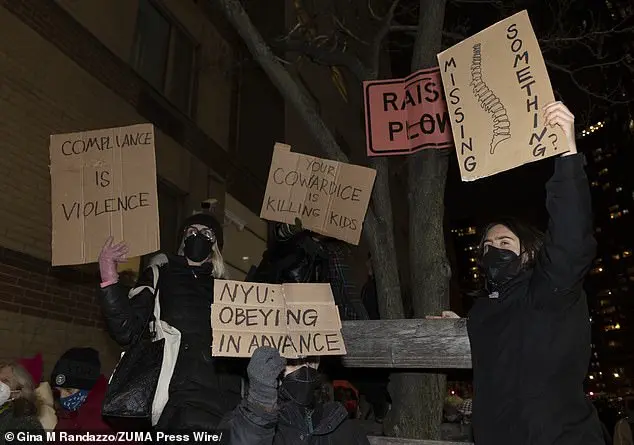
[[530, 332], [18, 403], [202, 389], [77, 379], [282, 406]]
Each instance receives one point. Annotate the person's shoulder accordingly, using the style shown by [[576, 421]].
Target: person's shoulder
[[22, 423]]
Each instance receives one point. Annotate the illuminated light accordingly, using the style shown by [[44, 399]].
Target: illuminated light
[[591, 377], [591, 393], [245, 258], [616, 375]]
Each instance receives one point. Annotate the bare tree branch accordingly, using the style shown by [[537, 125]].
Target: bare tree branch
[[377, 42], [614, 31], [403, 28], [608, 98], [325, 56], [347, 31]]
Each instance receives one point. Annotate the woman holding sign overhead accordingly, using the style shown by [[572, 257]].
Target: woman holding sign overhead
[[194, 390], [530, 332]]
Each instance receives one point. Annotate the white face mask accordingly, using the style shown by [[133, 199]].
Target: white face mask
[[5, 393]]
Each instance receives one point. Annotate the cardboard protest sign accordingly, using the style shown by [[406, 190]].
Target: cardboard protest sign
[[404, 116], [329, 197], [103, 183], [300, 320], [497, 85]]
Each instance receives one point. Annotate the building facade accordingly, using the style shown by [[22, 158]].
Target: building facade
[[70, 65]]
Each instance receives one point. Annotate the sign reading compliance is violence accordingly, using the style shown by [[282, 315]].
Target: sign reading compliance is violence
[[404, 116], [103, 183]]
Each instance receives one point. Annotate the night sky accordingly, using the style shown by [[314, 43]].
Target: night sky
[[519, 192]]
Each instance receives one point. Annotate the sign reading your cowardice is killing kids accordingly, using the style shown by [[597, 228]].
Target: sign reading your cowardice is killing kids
[[103, 183], [328, 197], [496, 85]]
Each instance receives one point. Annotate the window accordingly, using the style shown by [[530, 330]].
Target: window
[[165, 56], [171, 203], [612, 327]]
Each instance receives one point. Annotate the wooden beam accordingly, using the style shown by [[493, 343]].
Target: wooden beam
[[375, 440], [421, 344]]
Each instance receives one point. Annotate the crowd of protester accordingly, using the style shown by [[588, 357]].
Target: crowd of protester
[[529, 335]]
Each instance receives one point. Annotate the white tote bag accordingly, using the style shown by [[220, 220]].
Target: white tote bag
[[172, 338]]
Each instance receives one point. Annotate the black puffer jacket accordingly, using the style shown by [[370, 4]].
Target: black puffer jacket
[[327, 424], [530, 346], [203, 389]]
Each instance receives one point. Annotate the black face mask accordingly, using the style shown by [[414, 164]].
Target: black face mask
[[197, 248], [300, 385], [500, 266]]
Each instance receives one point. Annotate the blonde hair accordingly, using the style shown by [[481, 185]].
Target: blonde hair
[[26, 403], [220, 270], [216, 260]]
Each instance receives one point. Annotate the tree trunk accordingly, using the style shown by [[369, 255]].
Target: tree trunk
[[377, 229], [421, 409]]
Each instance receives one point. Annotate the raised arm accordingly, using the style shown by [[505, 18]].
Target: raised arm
[[569, 245], [126, 315], [254, 421]]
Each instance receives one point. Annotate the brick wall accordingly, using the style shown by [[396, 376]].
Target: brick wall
[[49, 310]]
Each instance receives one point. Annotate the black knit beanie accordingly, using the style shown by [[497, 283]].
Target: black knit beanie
[[207, 220], [78, 368]]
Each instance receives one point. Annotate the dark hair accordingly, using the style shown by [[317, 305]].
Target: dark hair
[[531, 239]]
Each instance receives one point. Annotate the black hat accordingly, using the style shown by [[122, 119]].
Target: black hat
[[207, 220], [77, 368]]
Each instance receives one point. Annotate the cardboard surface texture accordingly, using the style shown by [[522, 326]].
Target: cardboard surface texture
[[299, 320], [404, 116], [103, 183], [329, 197], [496, 85]]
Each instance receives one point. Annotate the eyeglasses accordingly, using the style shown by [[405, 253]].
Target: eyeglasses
[[206, 232]]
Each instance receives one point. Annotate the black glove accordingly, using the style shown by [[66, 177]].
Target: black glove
[[264, 368]]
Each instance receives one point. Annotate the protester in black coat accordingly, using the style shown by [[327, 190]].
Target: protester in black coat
[[202, 389], [530, 336], [290, 414]]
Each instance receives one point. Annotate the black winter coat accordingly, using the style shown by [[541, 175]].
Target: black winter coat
[[531, 346], [203, 389], [251, 424]]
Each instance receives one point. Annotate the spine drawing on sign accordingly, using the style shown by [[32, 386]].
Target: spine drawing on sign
[[489, 101]]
